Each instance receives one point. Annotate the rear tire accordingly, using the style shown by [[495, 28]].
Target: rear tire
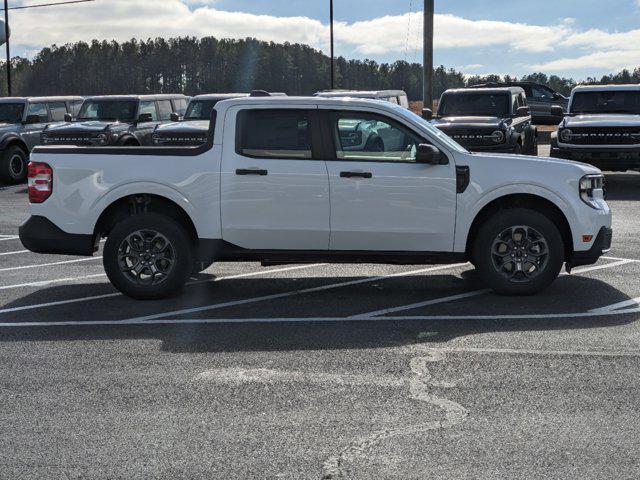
[[518, 252], [13, 165], [148, 256]]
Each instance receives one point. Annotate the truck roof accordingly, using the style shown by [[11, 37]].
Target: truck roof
[[489, 90], [607, 88], [165, 96], [40, 99], [360, 93], [219, 96]]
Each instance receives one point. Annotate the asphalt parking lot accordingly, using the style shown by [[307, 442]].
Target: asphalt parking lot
[[320, 371]]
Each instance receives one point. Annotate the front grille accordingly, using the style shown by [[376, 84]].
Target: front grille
[[68, 139], [604, 136], [180, 140], [472, 138]]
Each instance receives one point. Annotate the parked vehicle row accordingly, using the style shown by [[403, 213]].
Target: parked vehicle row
[[305, 180]]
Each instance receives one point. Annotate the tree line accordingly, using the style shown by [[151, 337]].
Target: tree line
[[193, 66]]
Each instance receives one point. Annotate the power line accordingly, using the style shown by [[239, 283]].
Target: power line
[[47, 4]]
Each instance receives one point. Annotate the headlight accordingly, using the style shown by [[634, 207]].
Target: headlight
[[46, 139], [101, 139], [592, 190], [566, 135], [498, 136]]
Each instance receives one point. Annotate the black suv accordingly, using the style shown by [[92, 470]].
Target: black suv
[[541, 99], [194, 127], [116, 120], [487, 119]]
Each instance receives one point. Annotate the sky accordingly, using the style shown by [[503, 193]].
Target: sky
[[572, 38]]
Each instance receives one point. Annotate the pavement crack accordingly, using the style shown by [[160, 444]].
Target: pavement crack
[[420, 386]]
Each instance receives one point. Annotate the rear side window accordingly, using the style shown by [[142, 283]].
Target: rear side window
[[165, 109], [58, 110], [282, 134]]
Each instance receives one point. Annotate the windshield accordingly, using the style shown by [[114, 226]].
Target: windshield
[[606, 102], [475, 104], [11, 112], [200, 110], [108, 110], [442, 137]]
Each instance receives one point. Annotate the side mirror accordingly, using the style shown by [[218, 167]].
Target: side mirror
[[68, 117], [32, 119], [174, 117], [557, 111], [523, 111], [427, 114], [430, 155], [145, 117]]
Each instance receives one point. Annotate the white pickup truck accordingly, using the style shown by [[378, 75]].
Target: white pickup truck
[[291, 180]]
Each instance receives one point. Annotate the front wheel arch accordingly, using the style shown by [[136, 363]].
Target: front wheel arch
[[533, 202]]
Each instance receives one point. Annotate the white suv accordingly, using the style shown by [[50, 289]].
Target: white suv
[[290, 180]]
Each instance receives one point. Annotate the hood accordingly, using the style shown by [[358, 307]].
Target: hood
[[187, 126], [446, 123], [534, 163], [602, 120], [84, 127]]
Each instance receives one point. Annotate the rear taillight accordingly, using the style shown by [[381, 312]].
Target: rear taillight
[[40, 182]]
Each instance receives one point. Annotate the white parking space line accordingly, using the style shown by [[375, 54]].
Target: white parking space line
[[4, 238], [291, 293], [426, 303], [602, 267], [617, 306], [65, 262], [44, 283], [514, 351], [207, 321], [618, 258], [14, 253], [117, 294]]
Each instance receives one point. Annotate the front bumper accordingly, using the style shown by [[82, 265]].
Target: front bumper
[[40, 235], [601, 245]]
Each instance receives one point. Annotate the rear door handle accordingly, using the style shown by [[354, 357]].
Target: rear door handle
[[251, 171], [356, 175]]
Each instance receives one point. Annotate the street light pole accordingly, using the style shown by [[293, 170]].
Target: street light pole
[[427, 90], [6, 35], [333, 78]]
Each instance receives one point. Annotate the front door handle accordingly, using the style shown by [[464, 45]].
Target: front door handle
[[356, 175], [251, 171]]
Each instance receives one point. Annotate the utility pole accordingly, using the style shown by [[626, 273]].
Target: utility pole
[[427, 89], [333, 77], [6, 36]]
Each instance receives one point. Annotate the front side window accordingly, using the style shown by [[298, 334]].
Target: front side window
[[149, 107], [58, 111], [200, 109], [475, 104], [11, 112], [540, 93], [108, 110], [180, 106], [165, 109], [75, 107], [39, 109], [274, 134], [369, 137]]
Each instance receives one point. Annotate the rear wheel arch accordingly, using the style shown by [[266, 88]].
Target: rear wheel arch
[[143, 203], [528, 201], [16, 141]]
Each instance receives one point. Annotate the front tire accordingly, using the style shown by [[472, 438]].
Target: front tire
[[13, 165], [518, 252], [148, 256]]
